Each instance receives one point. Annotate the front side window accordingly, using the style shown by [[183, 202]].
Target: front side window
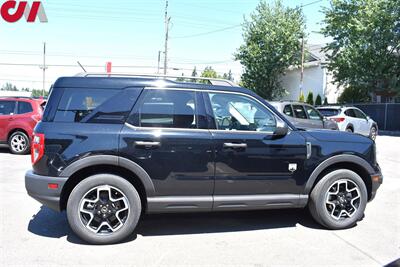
[[350, 113], [299, 112], [7, 107], [313, 114], [360, 114], [167, 109], [236, 112], [24, 107]]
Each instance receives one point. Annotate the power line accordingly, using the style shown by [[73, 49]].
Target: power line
[[311, 3], [206, 33]]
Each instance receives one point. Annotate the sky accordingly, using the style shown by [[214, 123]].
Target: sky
[[129, 33]]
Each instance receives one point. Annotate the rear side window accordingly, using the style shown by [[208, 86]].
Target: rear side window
[[350, 113], [24, 107], [287, 110], [7, 107], [329, 112], [167, 109], [299, 112], [96, 105]]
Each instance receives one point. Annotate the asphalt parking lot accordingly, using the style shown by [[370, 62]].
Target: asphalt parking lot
[[36, 236]]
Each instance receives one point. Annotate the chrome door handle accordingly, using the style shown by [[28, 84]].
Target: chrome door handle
[[235, 145], [147, 144]]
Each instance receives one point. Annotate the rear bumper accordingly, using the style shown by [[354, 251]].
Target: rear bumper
[[37, 187]]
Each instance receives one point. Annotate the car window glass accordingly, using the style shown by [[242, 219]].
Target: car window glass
[[287, 110], [24, 107], [236, 112], [313, 114], [96, 105], [350, 113], [329, 112], [7, 107], [168, 109], [359, 114], [299, 112]]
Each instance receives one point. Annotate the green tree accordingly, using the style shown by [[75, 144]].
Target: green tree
[[365, 51], [208, 72], [318, 100], [194, 72], [9, 87], [228, 76], [38, 93], [301, 97], [181, 79], [326, 101], [354, 95], [310, 98], [271, 44]]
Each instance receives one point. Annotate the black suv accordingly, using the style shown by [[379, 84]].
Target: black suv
[[111, 148]]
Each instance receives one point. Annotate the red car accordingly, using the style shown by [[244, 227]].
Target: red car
[[18, 118]]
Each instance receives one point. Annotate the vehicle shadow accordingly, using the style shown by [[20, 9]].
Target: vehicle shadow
[[4, 149], [49, 223]]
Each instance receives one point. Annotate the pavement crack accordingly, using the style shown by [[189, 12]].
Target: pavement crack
[[357, 248]]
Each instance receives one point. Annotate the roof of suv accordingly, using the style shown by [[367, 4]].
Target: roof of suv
[[123, 82]]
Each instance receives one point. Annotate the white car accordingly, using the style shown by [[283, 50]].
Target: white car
[[351, 119]]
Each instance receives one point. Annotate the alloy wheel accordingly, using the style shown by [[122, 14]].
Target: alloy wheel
[[343, 199], [18, 143], [104, 209]]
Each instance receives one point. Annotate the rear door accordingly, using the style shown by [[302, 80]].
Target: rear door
[[167, 136], [7, 111]]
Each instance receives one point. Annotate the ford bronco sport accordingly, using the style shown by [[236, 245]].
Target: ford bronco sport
[[110, 148]]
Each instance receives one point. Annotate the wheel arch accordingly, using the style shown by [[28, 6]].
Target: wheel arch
[[350, 126], [18, 129], [92, 165], [350, 162]]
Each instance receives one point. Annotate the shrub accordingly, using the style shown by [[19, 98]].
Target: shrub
[[310, 98], [318, 100]]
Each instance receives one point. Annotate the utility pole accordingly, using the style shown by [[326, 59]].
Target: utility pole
[[167, 20], [43, 67], [302, 64], [158, 64]]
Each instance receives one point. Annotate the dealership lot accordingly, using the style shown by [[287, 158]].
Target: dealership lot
[[34, 235]]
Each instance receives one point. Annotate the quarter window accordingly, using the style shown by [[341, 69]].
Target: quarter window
[[24, 107], [350, 113], [167, 109], [287, 110], [7, 107], [236, 112]]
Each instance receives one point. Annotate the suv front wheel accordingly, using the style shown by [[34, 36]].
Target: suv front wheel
[[103, 209], [19, 143], [338, 200]]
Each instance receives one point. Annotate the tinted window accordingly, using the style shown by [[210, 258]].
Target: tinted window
[[313, 114], [359, 114], [350, 113], [287, 110], [96, 105], [299, 112], [329, 112], [167, 109], [236, 112], [7, 107], [24, 107]]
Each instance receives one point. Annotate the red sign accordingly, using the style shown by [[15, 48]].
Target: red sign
[[108, 67], [12, 11]]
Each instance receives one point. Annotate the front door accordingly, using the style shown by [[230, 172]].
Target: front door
[[166, 135], [252, 167]]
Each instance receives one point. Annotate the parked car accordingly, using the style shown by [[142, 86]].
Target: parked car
[[18, 117], [351, 119], [111, 148], [303, 115]]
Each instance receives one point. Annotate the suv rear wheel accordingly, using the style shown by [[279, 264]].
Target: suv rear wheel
[[338, 200], [373, 133], [103, 209], [19, 143]]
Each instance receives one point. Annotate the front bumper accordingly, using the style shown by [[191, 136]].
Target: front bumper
[[37, 187], [377, 180]]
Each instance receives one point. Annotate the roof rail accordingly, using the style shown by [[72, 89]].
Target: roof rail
[[23, 97], [213, 81]]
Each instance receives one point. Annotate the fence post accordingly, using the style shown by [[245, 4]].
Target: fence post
[[386, 107]]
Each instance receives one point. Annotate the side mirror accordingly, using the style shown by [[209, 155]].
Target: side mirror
[[281, 129]]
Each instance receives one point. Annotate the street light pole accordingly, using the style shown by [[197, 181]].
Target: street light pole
[[167, 20], [43, 67], [302, 65]]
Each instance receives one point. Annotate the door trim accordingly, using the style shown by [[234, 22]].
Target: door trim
[[165, 204]]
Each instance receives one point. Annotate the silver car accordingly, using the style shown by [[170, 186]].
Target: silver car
[[303, 115]]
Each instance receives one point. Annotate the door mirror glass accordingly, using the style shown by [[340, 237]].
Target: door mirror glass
[[281, 129]]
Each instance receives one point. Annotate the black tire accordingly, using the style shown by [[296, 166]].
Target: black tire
[[373, 133], [319, 208], [19, 143], [349, 130], [81, 190]]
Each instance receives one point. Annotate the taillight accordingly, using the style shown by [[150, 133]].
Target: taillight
[[37, 147], [337, 119]]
